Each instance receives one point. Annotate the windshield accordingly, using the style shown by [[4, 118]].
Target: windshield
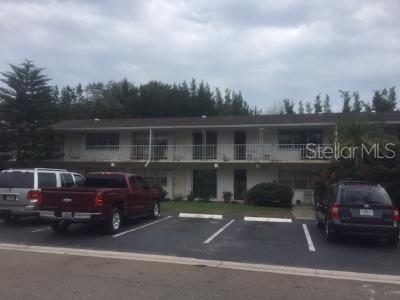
[[364, 195], [16, 180], [105, 181]]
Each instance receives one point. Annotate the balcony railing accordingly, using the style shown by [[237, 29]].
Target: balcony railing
[[220, 152]]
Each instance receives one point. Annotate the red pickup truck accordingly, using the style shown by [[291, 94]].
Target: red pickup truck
[[104, 197]]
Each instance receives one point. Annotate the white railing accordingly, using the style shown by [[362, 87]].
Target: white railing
[[220, 152]]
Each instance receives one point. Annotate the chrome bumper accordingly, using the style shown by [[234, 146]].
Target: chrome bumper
[[18, 210], [78, 216]]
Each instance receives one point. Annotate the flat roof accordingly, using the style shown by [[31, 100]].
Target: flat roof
[[322, 119]]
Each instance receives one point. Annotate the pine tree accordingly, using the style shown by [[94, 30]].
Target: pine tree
[[384, 100], [346, 100], [288, 106], [301, 108], [317, 104], [357, 104], [308, 107], [327, 104], [26, 111]]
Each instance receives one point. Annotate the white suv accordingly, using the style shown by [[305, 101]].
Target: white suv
[[20, 189]]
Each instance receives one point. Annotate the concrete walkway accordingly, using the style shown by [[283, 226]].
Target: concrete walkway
[[303, 212]]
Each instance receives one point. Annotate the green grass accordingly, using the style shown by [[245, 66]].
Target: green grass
[[232, 209]]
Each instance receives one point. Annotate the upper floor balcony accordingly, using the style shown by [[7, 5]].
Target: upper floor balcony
[[201, 153]]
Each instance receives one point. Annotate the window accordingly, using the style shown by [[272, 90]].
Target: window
[[299, 137], [141, 141], [47, 180], [156, 181], [140, 183], [16, 179], [96, 141], [67, 180], [105, 181], [364, 195], [78, 180]]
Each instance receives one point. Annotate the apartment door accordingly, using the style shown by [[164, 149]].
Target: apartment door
[[205, 184], [239, 183], [74, 146], [240, 145]]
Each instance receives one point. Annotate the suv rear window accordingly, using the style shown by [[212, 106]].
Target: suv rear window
[[364, 195], [19, 180], [105, 181]]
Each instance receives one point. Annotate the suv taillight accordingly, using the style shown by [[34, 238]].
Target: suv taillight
[[396, 216], [99, 200], [335, 211], [35, 196]]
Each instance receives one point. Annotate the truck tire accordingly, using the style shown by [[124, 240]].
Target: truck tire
[[155, 213], [113, 224], [8, 218], [60, 226]]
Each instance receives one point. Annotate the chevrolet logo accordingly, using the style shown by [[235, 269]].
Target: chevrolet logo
[[67, 200]]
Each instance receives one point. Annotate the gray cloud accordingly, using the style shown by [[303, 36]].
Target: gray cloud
[[266, 49]]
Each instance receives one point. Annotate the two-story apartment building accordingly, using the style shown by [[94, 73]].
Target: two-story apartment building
[[223, 153]]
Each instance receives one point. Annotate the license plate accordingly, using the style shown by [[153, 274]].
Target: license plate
[[366, 212], [10, 197], [66, 214]]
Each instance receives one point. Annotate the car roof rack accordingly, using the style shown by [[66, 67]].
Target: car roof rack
[[37, 169], [355, 182]]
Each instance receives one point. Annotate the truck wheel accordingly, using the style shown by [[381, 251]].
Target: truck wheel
[[60, 226], [393, 241], [156, 210], [8, 218], [113, 224]]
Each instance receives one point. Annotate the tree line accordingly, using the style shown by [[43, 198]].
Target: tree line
[[28, 105], [382, 100]]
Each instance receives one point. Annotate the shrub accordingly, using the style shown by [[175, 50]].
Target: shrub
[[178, 199], [270, 194], [190, 197]]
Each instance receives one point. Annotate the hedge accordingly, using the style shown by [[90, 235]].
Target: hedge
[[270, 194]]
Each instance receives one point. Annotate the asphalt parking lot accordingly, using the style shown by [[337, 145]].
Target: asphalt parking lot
[[299, 244]]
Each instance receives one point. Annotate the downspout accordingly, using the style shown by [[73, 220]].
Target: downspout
[[150, 140], [335, 144]]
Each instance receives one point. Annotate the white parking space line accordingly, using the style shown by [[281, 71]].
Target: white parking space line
[[201, 216], [41, 229], [207, 241], [308, 238], [140, 227], [273, 220]]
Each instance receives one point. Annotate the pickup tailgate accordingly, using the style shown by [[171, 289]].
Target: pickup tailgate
[[67, 199]]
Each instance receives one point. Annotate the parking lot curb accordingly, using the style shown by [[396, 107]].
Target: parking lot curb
[[295, 271], [272, 220], [200, 216]]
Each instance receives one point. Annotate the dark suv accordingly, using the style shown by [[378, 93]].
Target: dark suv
[[358, 208]]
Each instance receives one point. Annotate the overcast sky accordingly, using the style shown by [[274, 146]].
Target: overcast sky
[[267, 49]]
